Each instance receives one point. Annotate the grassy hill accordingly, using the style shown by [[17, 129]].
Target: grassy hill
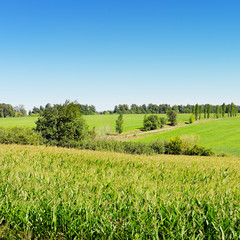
[[222, 135], [65, 193]]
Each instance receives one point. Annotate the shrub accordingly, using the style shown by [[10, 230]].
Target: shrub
[[20, 136], [153, 122], [189, 142], [147, 125], [163, 121], [191, 119], [158, 146], [200, 151], [174, 146]]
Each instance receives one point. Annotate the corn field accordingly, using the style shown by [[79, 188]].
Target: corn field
[[55, 193]]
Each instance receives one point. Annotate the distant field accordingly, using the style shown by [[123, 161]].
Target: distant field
[[221, 135], [102, 123], [54, 193], [25, 122]]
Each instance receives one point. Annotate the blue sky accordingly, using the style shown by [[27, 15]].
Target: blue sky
[[112, 52]]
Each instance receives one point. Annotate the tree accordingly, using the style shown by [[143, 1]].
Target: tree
[[119, 124], [7, 110], [223, 109], [62, 124], [209, 111], [172, 117], [205, 111], [200, 112], [153, 122], [217, 112], [193, 109], [196, 111], [20, 111], [228, 110]]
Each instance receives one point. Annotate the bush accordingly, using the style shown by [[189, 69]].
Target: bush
[[200, 151], [163, 121], [153, 122], [20, 136], [147, 125], [174, 146], [191, 118], [189, 142], [158, 146]]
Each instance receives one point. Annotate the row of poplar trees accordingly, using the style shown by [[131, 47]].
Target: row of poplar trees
[[221, 110]]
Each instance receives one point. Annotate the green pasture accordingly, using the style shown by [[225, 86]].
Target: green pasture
[[222, 135], [103, 123], [24, 122], [54, 193]]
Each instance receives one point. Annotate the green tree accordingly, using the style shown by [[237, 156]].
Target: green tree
[[153, 122], [209, 111], [200, 112], [193, 109], [196, 111], [217, 112], [172, 117], [205, 111], [228, 109], [119, 124], [223, 109], [62, 124]]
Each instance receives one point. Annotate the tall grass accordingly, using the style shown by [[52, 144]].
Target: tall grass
[[70, 194]]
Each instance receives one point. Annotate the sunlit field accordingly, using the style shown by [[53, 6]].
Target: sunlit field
[[222, 135], [64, 194], [103, 123]]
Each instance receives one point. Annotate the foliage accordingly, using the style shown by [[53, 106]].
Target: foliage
[[20, 136], [158, 146], [61, 124], [196, 111], [152, 122], [119, 124], [200, 150], [20, 111], [191, 119], [6, 110], [177, 146], [172, 117], [174, 146], [162, 108]]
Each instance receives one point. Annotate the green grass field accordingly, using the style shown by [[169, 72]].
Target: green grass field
[[103, 123], [222, 135], [54, 193]]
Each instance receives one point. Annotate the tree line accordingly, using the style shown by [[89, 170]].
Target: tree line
[[199, 111], [7, 110], [164, 108], [84, 109]]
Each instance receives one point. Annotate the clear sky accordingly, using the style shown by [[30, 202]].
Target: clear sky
[[109, 52]]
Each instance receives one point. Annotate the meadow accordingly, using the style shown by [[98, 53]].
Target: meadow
[[221, 135], [103, 123], [70, 194]]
